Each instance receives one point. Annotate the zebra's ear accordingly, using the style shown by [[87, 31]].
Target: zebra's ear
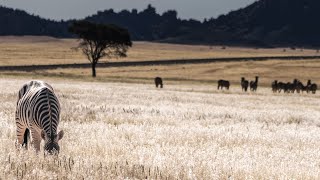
[[60, 135], [43, 135]]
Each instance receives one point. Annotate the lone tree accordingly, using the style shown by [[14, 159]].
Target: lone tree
[[100, 40]]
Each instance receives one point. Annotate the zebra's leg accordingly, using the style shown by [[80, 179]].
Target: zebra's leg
[[36, 139], [21, 129]]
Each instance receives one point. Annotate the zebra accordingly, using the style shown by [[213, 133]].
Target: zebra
[[38, 114], [289, 87], [223, 83], [244, 84], [254, 84], [299, 87], [275, 86], [281, 86], [158, 81], [311, 87]]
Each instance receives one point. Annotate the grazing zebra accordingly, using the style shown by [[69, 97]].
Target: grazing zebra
[[244, 84], [274, 86], [311, 87], [289, 88], [254, 84], [38, 113], [304, 88], [158, 81], [298, 86], [282, 86], [223, 83]]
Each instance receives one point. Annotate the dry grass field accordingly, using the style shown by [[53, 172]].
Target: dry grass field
[[207, 73], [121, 127], [45, 50], [134, 131], [268, 71]]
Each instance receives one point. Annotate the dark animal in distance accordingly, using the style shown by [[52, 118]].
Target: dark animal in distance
[[295, 86], [298, 85], [311, 87], [289, 88], [274, 86], [158, 82], [285, 87], [244, 84], [254, 84], [223, 84], [281, 86]]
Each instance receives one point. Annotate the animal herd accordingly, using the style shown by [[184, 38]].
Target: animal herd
[[289, 87], [295, 86], [245, 84]]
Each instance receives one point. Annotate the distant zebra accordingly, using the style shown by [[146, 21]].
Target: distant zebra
[[223, 84], [311, 87], [244, 84], [158, 82], [274, 86], [38, 113], [299, 87], [282, 86], [287, 87], [290, 87], [254, 84]]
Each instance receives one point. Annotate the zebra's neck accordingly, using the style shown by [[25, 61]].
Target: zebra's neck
[[50, 115], [50, 120]]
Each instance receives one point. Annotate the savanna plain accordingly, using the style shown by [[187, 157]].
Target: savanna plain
[[187, 130]]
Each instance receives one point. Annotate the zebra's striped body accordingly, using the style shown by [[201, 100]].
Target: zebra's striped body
[[38, 112]]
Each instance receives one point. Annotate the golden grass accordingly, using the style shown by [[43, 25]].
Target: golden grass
[[188, 130], [30, 50], [134, 131], [45, 50], [268, 71]]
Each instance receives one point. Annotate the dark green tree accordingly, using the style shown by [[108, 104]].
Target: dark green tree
[[101, 40]]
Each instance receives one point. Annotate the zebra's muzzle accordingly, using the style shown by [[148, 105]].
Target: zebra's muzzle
[[52, 148]]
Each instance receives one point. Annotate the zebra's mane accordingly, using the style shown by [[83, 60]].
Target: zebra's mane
[[47, 93]]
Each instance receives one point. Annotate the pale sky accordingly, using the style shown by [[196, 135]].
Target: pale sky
[[66, 9]]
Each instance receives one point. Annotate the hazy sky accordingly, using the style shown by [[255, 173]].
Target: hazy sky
[[66, 9]]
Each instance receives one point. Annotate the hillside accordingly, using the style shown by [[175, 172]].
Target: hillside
[[263, 23], [267, 22], [146, 25], [18, 22]]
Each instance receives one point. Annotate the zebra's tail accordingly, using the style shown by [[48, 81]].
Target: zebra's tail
[[26, 137]]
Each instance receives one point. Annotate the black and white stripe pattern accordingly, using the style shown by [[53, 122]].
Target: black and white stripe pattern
[[38, 112]]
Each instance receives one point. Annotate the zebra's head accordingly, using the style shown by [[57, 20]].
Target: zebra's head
[[51, 143]]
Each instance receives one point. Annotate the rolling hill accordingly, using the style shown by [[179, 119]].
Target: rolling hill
[[263, 23], [268, 22]]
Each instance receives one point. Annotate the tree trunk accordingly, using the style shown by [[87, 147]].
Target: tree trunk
[[93, 65]]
